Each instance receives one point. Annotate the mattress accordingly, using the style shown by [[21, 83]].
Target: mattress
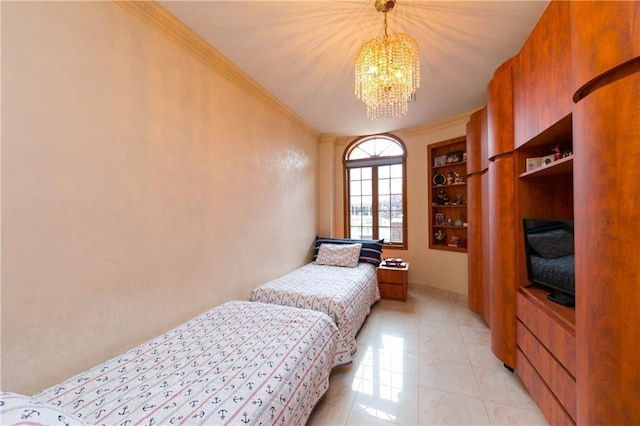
[[238, 363], [345, 294]]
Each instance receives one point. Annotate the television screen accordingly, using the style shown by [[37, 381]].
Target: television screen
[[549, 251]]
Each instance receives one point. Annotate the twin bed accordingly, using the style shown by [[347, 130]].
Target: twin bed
[[264, 361]]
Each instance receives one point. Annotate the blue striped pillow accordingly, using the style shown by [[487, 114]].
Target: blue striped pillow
[[371, 251]]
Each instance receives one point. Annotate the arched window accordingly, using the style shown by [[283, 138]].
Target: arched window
[[375, 190]]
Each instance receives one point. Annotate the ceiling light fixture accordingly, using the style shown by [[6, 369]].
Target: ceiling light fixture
[[387, 71]]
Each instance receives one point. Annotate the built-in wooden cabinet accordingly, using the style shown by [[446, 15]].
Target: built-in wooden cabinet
[[478, 288], [448, 195], [501, 211], [545, 331], [579, 364], [604, 38], [607, 197], [541, 77], [546, 353]]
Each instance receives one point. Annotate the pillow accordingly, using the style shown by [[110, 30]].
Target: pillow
[[16, 409], [552, 244], [371, 251], [339, 255]]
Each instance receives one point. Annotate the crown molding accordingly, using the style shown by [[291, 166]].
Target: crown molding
[[457, 119], [161, 19]]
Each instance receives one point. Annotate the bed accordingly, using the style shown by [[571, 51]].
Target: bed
[[341, 286], [239, 363]]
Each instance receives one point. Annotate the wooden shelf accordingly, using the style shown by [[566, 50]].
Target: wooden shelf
[[454, 191], [449, 185], [563, 166], [459, 163]]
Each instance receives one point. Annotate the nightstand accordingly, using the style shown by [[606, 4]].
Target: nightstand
[[393, 282]]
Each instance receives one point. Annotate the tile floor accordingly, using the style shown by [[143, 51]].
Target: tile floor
[[426, 361]]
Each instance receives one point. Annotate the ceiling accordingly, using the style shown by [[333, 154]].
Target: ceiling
[[303, 51]]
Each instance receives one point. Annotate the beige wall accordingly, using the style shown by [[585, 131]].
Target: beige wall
[[435, 268], [139, 188]]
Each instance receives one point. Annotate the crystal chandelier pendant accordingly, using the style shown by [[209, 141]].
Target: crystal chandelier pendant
[[387, 71]]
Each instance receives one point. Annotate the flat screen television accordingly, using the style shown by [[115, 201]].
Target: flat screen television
[[549, 251]]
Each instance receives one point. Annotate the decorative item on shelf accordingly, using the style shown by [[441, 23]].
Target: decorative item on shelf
[[387, 71], [558, 152], [567, 153], [439, 219], [439, 179], [457, 178], [454, 157], [440, 237], [442, 197], [449, 221], [548, 159], [440, 160], [464, 156], [458, 221], [533, 163], [455, 241], [458, 200], [449, 178]]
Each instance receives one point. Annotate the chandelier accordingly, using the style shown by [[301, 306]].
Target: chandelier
[[387, 71]]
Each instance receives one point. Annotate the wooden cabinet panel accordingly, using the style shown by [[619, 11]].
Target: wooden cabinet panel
[[475, 256], [607, 134], [548, 403], [391, 276], [560, 382], [476, 151], [604, 35], [542, 89], [476, 141], [486, 288], [500, 112], [502, 258]]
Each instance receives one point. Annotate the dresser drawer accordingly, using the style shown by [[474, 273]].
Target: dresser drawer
[[392, 291], [392, 276], [558, 340], [559, 381], [548, 403]]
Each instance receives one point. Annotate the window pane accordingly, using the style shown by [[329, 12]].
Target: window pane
[[396, 170], [366, 173], [385, 233], [367, 187], [384, 202], [355, 188], [384, 187], [355, 174], [396, 186], [384, 172], [396, 234]]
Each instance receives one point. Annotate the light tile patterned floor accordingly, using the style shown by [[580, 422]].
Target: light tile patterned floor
[[426, 361]]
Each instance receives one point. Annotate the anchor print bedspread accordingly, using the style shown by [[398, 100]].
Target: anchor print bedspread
[[345, 294], [239, 363]]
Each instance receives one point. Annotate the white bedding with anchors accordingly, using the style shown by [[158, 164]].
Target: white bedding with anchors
[[345, 294], [239, 363]]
